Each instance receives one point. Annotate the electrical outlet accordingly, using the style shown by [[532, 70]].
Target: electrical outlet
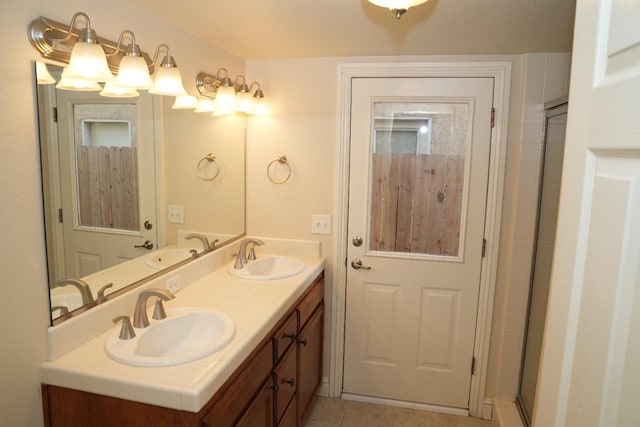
[[321, 224], [175, 214], [173, 284]]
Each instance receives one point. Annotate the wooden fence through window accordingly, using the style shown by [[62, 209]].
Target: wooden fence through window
[[416, 203], [108, 187]]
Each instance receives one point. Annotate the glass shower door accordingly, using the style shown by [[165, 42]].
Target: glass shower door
[[556, 119]]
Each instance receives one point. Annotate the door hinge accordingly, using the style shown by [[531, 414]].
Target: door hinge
[[60, 216], [484, 247], [473, 365], [55, 114], [493, 116]]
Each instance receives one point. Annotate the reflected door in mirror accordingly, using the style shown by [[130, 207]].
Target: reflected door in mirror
[[106, 156]]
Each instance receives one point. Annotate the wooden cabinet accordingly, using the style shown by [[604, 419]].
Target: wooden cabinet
[[274, 386]]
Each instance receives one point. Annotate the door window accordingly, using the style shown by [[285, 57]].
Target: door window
[[417, 174]]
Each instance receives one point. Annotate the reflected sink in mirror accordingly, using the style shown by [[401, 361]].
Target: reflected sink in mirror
[[167, 257], [269, 268], [185, 335]]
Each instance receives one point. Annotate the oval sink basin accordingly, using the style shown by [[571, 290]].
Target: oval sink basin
[[269, 268], [187, 334], [167, 257]]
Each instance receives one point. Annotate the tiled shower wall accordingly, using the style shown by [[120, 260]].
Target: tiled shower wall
[[545, 78]]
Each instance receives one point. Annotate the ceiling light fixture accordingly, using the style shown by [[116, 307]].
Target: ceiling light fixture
[[398, 7]]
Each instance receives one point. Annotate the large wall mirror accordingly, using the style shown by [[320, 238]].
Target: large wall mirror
[[132, 188]]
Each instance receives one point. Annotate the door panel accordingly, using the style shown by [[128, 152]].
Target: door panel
[[418, 181], [590, 372]]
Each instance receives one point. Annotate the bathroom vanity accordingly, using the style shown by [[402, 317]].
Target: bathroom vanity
[[267, 376]]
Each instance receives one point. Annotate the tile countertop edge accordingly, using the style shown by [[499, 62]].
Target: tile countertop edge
[[202, 386]]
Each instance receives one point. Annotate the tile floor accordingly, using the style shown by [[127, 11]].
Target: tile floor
[[344, 413]]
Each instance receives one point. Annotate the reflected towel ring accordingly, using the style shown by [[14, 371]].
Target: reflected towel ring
[[283, 161], [210, 158]]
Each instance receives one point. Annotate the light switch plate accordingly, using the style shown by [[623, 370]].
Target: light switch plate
[[321, 224], [175, 214]]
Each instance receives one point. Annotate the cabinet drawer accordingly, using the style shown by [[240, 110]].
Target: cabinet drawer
[[311, 300], [285, 378], [232, 403], [285, 336]]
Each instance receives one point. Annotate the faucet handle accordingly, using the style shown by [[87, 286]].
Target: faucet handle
[[103, 289], [252, 253], [158, 310], [126, 332]]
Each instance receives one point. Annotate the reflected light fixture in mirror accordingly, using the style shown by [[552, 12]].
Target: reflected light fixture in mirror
[[43, 75], [185, 102], [398, 7], [113, 90], [218, 88], [70, 83]]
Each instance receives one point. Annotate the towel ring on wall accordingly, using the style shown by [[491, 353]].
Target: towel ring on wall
[[283, 161], [209, 158]]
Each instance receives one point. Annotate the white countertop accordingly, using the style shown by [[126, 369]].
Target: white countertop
[[254, 306]]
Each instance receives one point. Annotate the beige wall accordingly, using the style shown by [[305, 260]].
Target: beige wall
[[302, 124], [24, 315]]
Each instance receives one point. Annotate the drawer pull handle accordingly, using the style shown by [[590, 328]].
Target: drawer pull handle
[[292, 336], [291, 382], [275, 387], [303, 341]]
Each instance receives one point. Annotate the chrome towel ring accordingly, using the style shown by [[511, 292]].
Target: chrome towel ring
[[209, 159], [282, 160]]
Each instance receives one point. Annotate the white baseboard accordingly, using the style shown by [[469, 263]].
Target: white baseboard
[[506, 413], [487, 409], [324, 388]]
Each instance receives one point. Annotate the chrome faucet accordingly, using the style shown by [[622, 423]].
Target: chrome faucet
[[83, 287], [205, 242], [140, 319], [241, 257]]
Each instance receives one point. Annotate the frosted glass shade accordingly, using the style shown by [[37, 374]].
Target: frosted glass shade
[[205, 106], [244, 102], [88, 62], [113, 90], [168, 81], [397, 4], [42, 74], [185, 102], [225, 98], [134, 73], [71, 83]]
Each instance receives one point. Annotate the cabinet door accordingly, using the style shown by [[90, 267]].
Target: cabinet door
[[260, 412], [310, 362]]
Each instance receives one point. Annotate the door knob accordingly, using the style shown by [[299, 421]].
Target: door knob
[[148, 245], [148, 225], [357, 241], [357, 265]]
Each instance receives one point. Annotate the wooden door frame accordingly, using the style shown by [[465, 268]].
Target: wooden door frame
[[501, 73]]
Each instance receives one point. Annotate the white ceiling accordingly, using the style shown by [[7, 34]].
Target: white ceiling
[[253, 29]]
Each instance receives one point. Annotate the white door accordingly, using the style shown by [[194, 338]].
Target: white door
[[417, 195], [108, 179], [590, 372]]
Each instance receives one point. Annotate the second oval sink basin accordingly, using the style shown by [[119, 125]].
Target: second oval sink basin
[[269, 268], [167, 257], [186, 334]]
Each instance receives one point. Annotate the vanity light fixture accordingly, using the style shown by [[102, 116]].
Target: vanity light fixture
[[133, 71], [167, 79], [225, 93], [43, 76], [88, 60], [259, 106], [185, 102], [243, 95], [398, 7]]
